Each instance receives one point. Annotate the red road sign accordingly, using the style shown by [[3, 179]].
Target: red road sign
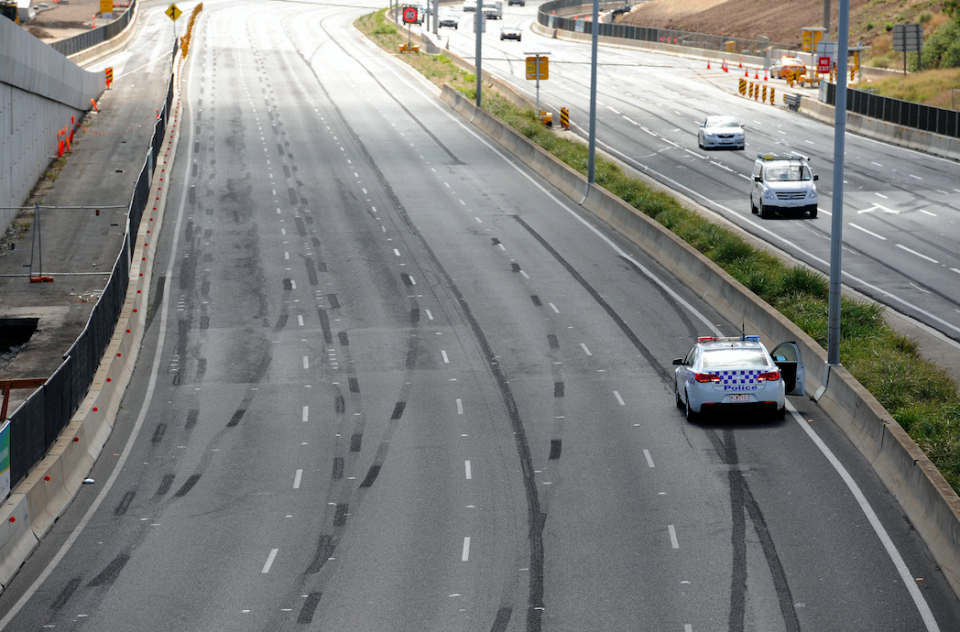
[[823, 65], [409, 15]]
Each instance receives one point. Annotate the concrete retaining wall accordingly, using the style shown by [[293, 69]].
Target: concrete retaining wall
[[928, 501], [40, 91], [44, 495]]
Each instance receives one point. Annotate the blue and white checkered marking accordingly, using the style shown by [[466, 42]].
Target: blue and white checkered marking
[[738, 376]]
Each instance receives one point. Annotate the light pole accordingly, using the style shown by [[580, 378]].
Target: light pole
[[836, 237], [592, 151], [479, 22]]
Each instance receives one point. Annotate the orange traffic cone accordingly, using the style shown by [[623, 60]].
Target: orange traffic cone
[[741, 63], [725, 68], [708, 64]]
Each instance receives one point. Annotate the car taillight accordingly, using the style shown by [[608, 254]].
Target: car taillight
[[769, 376], [706, 377]]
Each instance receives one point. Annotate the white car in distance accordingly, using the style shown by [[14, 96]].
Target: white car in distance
[[721, 131]]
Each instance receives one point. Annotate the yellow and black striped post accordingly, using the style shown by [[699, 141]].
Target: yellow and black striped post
[[743, 87], [773, 95], [764, 99], [564, 118]]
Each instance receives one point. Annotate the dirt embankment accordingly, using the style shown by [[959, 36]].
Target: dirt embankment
[[783, 21]]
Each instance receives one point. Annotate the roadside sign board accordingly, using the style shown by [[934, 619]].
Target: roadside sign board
[[173, 12], [823, 65], [907, 38], [811, 37], [106, 9], [544, 68], [409, 15]]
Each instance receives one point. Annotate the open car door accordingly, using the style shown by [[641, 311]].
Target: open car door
[[786, 355]]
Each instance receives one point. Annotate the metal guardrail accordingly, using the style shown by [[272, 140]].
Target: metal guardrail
[[792, 101]]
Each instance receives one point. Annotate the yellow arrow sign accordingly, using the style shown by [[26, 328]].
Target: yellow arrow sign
[[173, 12]]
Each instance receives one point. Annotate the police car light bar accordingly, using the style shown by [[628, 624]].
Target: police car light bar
[[752, 338]]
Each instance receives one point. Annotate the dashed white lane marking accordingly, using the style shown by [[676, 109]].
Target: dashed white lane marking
[[876, 163], [673, 537], [871, 233], [479, 221], [585, 350], [300, 320], [459, 406], [925, 212], [885, 197], [412, 281], [687, 627], [296, 479], [396, 252], [502, 247], [270, 558], [915, 177], [914, 252], [446, 360], [278, 210], [468, 472], [619, 399], [466, 550], [429, 315], [613, 110], [554, 307], [286, 256], [525, 275], [646, 453], [293, 284], [306, 362], [955, 270], [306, 414]]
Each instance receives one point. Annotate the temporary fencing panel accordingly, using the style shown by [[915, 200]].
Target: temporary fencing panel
[[37, 423], [925, 118], [93, 37]]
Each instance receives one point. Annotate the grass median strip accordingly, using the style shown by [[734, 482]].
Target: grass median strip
[[922, 397]]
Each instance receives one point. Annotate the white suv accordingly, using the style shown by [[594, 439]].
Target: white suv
[[782, 182]]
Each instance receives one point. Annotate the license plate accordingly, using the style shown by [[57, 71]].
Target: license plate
[[739, 398]]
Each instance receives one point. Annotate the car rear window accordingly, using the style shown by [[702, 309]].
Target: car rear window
[[733, 358]]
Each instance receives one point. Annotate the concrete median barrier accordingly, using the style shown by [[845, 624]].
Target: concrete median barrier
[[45, 491], [17, 540], [925, 497]]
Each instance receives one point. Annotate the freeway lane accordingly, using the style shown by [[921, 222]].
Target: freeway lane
[[899, 205], [396, 382]]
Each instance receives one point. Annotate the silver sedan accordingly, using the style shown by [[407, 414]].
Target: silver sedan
[[721, 131]]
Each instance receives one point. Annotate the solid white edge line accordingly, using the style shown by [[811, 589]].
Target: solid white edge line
[[270, 558], [908, 581], [148, 398], [892, 551]]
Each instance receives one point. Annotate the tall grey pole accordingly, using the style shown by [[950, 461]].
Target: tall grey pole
[[592, 153], [836, 237], [826, 18], [479, 26], [436, 15]]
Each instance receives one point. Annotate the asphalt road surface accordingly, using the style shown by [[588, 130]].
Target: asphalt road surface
[[900, 206], [394, 381]]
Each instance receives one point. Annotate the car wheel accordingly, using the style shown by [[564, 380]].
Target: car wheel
[[753, 209], [764, 213], [781, 414], [691, 416], [813, 211], [742, 147], [501, 38]]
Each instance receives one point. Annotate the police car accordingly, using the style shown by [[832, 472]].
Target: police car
[[737, 373], [783, 182]]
